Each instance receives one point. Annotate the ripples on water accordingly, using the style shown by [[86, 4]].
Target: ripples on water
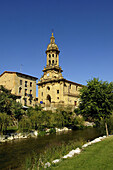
[[14, 153]]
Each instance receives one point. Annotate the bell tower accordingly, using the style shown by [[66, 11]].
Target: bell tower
[[52, 70], [52, 53]]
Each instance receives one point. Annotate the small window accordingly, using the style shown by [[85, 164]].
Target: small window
[[42, 93], [20, 82], [48, 88], [75, 103], [25, 83], [20, 89], [49, 55], [57, 91], [52, 55], [58, 98], [30, 91], [30, 84], [76, 88], [25, 92]]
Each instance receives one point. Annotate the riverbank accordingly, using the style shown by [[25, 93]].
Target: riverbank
[[13, 154], [97, 156], [14, 136]]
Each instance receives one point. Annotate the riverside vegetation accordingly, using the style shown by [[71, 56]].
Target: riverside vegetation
[[13, 119]]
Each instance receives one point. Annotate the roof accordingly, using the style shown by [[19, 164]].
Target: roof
[[11, 72], [73, 82]]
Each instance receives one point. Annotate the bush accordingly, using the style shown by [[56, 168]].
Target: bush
[[24, 124]]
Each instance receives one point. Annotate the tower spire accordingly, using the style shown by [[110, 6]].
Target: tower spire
[[52, 39]]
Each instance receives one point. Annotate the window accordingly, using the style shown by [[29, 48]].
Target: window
[[42, 93], [49, 55], [20, 89], [75, 102], [20, 82], [58, 98], [48, 88], [70, 86], [49, 62], [52, 62], [57, 91], [25, 83], [25, 92], [30, 91], [25, 101], [30, 84], [30, 101], [52, 55], [76, 88]]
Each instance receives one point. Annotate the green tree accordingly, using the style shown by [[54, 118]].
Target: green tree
[[96, 101], [9, 108], [4, 122]]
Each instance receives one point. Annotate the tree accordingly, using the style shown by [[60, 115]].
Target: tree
[[9, 108], [96, 100], [4, 122]]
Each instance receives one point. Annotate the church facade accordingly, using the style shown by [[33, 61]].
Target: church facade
[[53, 89]]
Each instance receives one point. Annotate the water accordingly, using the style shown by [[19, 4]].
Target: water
[[14, 153]]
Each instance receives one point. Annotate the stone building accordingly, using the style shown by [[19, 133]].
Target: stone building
[[21, 85], [53, 89]]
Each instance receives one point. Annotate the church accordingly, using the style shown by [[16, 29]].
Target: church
[[53, 89]]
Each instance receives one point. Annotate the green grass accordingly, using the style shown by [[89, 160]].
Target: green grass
[[98, 156]]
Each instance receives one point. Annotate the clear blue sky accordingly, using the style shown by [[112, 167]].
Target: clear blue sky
[[83, 31]]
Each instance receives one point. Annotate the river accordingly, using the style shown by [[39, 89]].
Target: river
[[14, 153]]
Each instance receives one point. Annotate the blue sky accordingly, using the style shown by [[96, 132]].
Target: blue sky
[[83, 31]]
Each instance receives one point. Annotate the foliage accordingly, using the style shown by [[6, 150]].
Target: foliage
[[25, 124], [110, 124], [9, 108], [33, 118], [96, 100], [4, 122], [40, 119]]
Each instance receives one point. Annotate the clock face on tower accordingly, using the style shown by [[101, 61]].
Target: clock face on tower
[[47, 74]]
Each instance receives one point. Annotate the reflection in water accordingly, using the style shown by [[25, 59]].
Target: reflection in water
[[14, 153]]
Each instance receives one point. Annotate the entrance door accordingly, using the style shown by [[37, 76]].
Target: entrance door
[[48, 100]]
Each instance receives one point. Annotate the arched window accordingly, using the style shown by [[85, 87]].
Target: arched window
[[49, 55], [20, 89], [48, 88], [49, 62], [52, 55]]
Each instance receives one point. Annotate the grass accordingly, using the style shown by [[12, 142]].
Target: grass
[[50, 154], [98, 156]]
